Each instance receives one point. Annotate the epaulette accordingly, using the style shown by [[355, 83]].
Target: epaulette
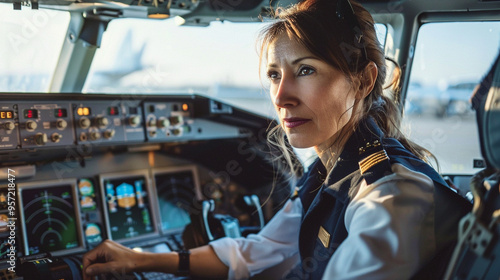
[[374, 161], [295, 193]]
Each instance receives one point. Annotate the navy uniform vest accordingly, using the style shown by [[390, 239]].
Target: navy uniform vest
[[366, 156]]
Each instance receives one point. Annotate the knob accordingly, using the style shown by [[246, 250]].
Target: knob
[[84, 123], [108, 134], [40, 139], [56, 137], [61, 124], [177, 131], [134, 121], [175, 120], [9, 126], [83, 136], [102, 122], [162, 123], [96, 135], [152, 123], [31, 125]]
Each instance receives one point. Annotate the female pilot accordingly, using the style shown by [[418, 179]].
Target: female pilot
[[368, 208]]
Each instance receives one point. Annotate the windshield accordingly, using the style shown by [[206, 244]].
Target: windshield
[[147, 57], [139, 56], [30, 47], [438, 113]]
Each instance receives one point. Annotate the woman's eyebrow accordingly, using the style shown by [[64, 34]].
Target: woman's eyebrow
[[303, 58], [272, 65]]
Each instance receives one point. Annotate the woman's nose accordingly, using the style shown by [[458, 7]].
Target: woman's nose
[[285, 93]]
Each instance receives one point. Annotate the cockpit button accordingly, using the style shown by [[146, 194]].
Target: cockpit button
[[84, 123]]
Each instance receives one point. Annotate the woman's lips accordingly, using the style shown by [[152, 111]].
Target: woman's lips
[[294, 122]]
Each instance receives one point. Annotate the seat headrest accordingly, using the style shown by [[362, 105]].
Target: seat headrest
[[486, 102]]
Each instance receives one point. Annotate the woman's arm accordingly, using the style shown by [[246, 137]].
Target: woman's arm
[[276, 245], [391, 229], [111, 257]]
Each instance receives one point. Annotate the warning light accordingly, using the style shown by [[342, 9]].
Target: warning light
[[113, 111], [185, 107], [60, 113], [83, 111], [6, 114], [30, 114]]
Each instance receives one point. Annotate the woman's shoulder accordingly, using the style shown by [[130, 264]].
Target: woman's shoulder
[[402, 187]]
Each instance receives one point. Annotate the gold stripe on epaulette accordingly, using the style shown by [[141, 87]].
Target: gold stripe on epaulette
[[324, 236], [371, 160]]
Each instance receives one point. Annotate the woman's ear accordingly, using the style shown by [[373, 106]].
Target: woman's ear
[[367, 80]]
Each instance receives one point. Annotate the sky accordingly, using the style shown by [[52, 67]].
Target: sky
[[31, 39], [474, 46]]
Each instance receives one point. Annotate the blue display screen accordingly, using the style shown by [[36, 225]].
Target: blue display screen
[[176, 194], [128, 207]]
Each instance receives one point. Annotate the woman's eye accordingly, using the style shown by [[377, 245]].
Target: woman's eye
[[305, 71], [272, 75]]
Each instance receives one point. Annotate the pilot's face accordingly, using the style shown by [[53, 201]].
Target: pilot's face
[[313, 99]]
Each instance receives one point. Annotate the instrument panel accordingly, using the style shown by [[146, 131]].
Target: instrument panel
[[45, 123], [70, 216], [125, 168], [66, 216]]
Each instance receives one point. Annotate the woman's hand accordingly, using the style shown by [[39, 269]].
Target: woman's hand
[[111, 257]]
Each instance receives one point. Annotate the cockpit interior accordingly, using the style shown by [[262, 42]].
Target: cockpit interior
[[145, 121]]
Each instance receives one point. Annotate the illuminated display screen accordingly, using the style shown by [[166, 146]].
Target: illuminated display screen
[[83, 111], [60, 113], [176, 193], [113, 111], [87, 194], [128, 207], [30, 113], [93, 233], [6, 114], [49, 218]]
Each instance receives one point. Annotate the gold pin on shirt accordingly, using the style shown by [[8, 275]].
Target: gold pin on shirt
[[324, 236]]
